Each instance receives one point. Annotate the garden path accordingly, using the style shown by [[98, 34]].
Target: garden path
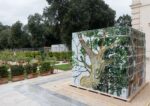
[[54, 90]]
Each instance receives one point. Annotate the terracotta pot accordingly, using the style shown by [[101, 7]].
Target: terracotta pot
[[33, 75], [17, 78], [3, 80], [45, 73]]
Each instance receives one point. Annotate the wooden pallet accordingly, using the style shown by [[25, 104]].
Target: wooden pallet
[[113, 96], [137, 92]]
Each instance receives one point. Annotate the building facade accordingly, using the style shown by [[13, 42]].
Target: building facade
[[59, 48], [141, 20]]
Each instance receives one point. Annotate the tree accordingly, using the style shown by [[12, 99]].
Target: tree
[[49, 33], [26, 38], [124, 20], [54, 15], [19, 37], [35, 25], [103, 58], [69, 16], [5, 38], [3, 27], [16, 34], [97, 61]]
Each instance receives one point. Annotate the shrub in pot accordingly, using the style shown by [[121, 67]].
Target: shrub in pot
[[52, 69], [31, 70], [3, 74], [17, 72], [46, 68], [34, 68], [28, 69]]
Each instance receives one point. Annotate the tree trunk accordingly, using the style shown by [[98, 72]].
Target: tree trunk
[[97, 63]]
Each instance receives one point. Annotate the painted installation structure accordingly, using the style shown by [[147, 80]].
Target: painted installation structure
[[109, 60]]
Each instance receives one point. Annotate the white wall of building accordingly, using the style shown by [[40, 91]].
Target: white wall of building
[[141, 19], [59, 48]]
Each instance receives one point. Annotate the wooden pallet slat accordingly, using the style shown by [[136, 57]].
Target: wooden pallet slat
[[113, 96]]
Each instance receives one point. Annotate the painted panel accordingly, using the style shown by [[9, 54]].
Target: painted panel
[[110, 60]]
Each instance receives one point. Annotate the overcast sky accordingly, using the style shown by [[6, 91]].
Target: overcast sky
[[14, 10]]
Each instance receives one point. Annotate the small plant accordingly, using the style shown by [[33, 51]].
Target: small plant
[[31, 70], [46, 67], [3, 71], [34, 68], [28, 69], [17, 70]]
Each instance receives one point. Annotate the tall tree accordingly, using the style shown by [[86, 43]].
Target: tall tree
[[3, 27], [35, 25], [69, 16], [124, 20], [19, 37], [16, 35], [5, 39]]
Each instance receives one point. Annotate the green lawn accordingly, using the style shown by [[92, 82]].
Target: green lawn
[[64, 67]]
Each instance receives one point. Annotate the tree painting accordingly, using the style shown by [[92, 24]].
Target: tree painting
[[105, 60]]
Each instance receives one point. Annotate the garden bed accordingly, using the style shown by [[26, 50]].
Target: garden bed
[[45, 73], [20, 65], [17, 78], [3, 80], [34, 75]]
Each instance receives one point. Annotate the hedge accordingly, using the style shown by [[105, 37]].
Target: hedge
[[17, 70], [31, 68], [46, 66], [28, 55], [61, 56], [3, 71]]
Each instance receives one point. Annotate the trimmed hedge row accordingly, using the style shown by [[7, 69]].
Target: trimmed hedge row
[[45, 67], [3, 71], [19, 70], [28, 55], [61, 56], [31, 68]]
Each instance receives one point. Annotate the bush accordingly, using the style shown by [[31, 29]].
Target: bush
[[30, 68], [17, 70], [8, 55], [45, 67], [3, 71], [61, 56], [34, 67], [32, 54]]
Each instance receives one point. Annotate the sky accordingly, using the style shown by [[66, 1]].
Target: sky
[[14, 10]]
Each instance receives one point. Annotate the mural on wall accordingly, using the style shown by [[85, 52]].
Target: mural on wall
[[110, 60]]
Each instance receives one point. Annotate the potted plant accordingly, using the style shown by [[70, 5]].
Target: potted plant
[[31, 70], [46, 68], [3, 74], [17, 72], [51, 69]]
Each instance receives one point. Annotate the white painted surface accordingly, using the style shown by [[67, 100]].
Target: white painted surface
[[59, 48], [141, 19]]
